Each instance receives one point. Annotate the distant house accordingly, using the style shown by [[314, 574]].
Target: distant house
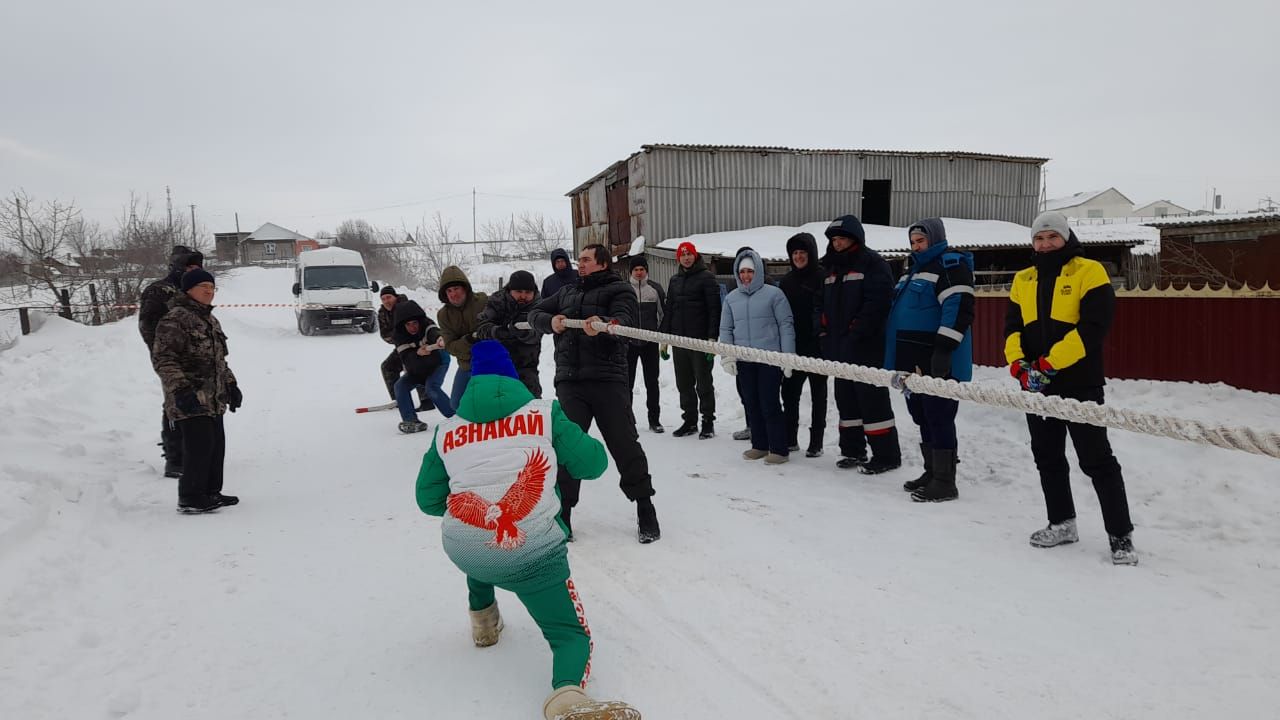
[[1221, 249], [271, 243], [1108, 203], [1160, 208], [668, 191], [226, 245]]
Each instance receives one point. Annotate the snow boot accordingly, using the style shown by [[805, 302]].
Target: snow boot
[[815, 443], [1122, 552], [942, 486], [708, 430], [412, 426], [486, 625], [877, 465], [227, 500], [851, 461], [1056, 534], [743, 434], [926, 452], [776, 459], [656, 427], [571, 703], [686, 429], [647, 521], [754, 454], [198, 504]]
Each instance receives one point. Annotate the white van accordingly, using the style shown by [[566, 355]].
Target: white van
[[334, 291]]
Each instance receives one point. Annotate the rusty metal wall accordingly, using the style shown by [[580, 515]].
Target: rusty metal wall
[[1189, 339]]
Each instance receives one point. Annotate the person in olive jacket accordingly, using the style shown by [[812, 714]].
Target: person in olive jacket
[[458, 321], [803, 288], [693, 310], [591, 378], [190, 356], [1060, 311], [857, 293]]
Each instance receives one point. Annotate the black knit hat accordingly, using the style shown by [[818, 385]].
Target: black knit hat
[[387, 290], [639, 261], [522, 280], [195, 277]]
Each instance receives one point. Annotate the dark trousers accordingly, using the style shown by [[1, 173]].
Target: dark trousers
[[170, 440], [937, 419], [391, 369], [646, 354], [693, 380], [866, 418], [791, 388], [1049, 447], [760, 386], [608, 404], [203, 448]]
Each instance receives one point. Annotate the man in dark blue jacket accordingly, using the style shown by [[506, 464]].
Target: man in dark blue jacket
[[857, 293], [562, 273]]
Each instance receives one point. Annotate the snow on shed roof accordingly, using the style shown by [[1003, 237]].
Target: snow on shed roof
[[1079, 198], [271, 231]]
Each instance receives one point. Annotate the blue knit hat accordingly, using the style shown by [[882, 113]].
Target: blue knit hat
[[195, 277], [489, 357]]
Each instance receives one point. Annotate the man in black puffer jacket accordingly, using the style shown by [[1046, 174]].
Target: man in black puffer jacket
[[693, 310], [562, 273], [418, 342], [803, 288], [498, 320], [392, 367], [152, 306], [857, 294], [592, 379]]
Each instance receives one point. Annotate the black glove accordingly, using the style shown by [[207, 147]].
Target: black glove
[[234, 397], [940, 365], [188, 403]]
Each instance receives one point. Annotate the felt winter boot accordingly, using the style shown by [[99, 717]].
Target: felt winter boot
[[486, 626], [942, 486], [571, 703], [926, 452]]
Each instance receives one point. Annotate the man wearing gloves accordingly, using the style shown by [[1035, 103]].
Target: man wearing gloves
[[693, 310], [488, 474], [857, 292], [1060, 310], [757, 315], [928, 333], [458, 322], [498, 322]]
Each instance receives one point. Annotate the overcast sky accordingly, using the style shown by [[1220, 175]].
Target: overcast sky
[[308, 113]]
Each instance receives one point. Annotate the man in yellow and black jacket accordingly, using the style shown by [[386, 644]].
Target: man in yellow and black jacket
[[1060, 310]]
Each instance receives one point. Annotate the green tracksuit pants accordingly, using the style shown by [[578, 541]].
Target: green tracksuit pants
[[558, 611]]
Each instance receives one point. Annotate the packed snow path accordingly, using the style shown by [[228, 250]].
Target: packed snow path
[[792, 592]]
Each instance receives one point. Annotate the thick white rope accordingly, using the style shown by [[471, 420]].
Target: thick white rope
[[1258, 442]]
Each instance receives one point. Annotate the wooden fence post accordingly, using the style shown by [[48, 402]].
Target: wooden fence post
[[93, 299], [66, 303], [24, 320]]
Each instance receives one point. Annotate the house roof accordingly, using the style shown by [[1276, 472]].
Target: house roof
[[952, 154], [1079, 198], [1160, 202], [273, 232]]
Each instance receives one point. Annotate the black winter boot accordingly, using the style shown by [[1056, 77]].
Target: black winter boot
[[647, 517], [926, 452], [943, 485], [708, 430], [686, 429], [815, 443]]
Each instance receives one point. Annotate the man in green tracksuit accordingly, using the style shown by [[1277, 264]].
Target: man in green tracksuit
[[490, 473]]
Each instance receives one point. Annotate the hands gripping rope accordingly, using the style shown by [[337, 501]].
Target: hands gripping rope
[[1258, 442]]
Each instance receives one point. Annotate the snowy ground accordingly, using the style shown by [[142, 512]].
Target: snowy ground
[[791, 592]]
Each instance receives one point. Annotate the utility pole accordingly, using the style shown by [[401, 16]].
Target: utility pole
[[473, 216], [193, 227], [169, 201], [22, 238]]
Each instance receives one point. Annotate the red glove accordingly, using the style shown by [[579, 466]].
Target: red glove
[[1018, 369], [1042, 364]]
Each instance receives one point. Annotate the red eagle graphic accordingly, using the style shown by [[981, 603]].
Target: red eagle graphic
[[514, 506]]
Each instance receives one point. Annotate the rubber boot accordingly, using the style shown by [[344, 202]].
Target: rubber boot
[[571, 703], [926, 452], [486, 626], [942, 487]]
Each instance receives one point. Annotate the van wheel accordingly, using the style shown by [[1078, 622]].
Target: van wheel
[[370, 327], [304, 326]]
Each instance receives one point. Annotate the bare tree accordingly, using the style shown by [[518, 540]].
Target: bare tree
[[44, 236], [1181, 261], [538, 236], [435, 250]]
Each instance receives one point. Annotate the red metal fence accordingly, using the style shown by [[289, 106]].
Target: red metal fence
[[1193, 336]]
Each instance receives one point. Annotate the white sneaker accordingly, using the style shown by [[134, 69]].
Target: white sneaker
[[1056, 534]]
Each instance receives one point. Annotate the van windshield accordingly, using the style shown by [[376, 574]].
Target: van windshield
[[332, 277]]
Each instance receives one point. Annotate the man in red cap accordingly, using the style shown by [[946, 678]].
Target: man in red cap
[[693, 310]]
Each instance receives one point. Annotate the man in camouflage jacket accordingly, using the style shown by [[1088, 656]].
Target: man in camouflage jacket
[[152, 306], [190, 356]]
